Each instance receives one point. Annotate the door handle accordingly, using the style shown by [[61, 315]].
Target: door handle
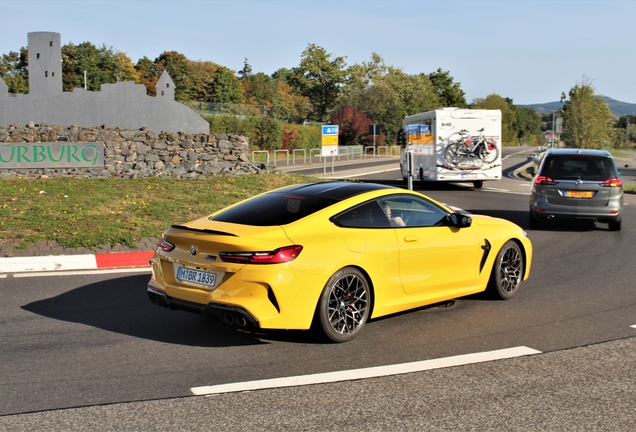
[[410, 239]]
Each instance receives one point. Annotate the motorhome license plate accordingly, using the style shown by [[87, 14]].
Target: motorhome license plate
[[196, 276], [578, 194]]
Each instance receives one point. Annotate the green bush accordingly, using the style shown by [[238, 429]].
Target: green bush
[[301, 137], [263, 133], [266, 133]]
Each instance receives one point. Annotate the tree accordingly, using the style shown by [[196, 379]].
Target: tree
[[226, 87], [353, 125], [528, 123], [508, 115], [626, 127], [449, 93], [102, 65], [361, 76], [587, 120], [181, 71], [147, 75], [246, 72], [319, 78], [259, 89], [203, 75], [125, 69], [14, 70], [415, 92], [282, 75], [381, 103], [288, 105]]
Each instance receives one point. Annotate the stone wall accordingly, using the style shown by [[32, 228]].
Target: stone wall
[[138, 153]]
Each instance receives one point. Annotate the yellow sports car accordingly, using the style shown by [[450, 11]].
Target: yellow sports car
[[333, 255]]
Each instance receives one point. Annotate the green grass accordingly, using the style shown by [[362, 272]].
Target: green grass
[[94, 212]]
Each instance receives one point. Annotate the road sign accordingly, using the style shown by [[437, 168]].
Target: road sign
[[330, 130], [374, 129], [330, 140]]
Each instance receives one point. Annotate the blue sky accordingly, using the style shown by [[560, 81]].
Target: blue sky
[[527, 50]]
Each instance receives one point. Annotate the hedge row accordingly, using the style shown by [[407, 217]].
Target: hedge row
[[266, 133]]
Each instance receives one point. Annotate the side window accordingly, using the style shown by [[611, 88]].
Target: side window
[[367, 215], [412, 211]]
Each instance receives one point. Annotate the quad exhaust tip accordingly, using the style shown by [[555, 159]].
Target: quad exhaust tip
[[234, 319]]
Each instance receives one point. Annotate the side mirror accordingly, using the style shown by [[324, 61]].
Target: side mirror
[[458, 220], [531, 171]]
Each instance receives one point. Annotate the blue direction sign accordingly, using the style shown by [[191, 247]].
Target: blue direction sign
[[330, 140], [330, 130]]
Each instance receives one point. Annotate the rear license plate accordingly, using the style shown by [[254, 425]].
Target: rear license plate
[[196, 276], [578, 194]]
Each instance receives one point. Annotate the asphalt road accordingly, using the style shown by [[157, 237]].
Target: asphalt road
[[90, 352]]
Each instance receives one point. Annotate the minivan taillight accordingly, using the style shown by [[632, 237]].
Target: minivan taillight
[[613, 182], [543, 180], [277, 256]]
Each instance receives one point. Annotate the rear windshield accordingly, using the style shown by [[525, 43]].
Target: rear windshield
[[573, 167], [272, 209]]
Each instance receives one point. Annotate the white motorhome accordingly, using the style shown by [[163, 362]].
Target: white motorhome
[[452, 145]]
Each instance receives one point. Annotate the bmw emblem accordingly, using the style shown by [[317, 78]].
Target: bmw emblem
[[193, 250]]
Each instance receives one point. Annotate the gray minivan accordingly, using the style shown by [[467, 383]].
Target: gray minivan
[[577, 184]]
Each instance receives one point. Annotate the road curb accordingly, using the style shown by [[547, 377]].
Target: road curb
[[75, 262]]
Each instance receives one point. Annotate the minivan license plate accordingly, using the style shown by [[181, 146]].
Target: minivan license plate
[[196, 276], [579, 194]]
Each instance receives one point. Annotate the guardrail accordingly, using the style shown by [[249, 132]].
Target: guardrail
[[347, 152], [627, 171]]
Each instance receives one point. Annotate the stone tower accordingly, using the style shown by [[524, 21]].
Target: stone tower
[[45, 63], [165, 86]]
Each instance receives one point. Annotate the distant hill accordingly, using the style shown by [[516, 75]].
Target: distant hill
[[618, 108]]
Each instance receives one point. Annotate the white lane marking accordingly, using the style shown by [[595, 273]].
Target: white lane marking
[[371, 372], [358, 175], [83, 272], [506, 191], [633, 326], [2, 276], [515, 154]]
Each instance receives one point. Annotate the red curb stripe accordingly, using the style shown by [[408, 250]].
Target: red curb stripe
[[123, 259]]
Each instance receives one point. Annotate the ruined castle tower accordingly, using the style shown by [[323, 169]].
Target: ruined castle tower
[[45, 63]]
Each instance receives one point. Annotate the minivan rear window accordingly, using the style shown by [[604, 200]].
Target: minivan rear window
[[574, 167]]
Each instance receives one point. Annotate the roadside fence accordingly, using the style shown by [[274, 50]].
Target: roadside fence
[[314, 155]]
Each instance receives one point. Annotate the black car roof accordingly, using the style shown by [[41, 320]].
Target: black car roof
[[575, 151], [335, 190]]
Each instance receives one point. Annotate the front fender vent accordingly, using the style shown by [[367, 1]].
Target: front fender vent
[[486, 247]]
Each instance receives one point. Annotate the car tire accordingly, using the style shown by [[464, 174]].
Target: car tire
[[614, 225], [507, 271], [478, 184], [344, 305]]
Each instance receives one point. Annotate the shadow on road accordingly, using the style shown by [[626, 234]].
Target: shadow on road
[[122, 306]]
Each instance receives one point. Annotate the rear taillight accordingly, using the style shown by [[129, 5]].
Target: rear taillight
[[165, 245], [613, 182], [280, 255], [543, 180]]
